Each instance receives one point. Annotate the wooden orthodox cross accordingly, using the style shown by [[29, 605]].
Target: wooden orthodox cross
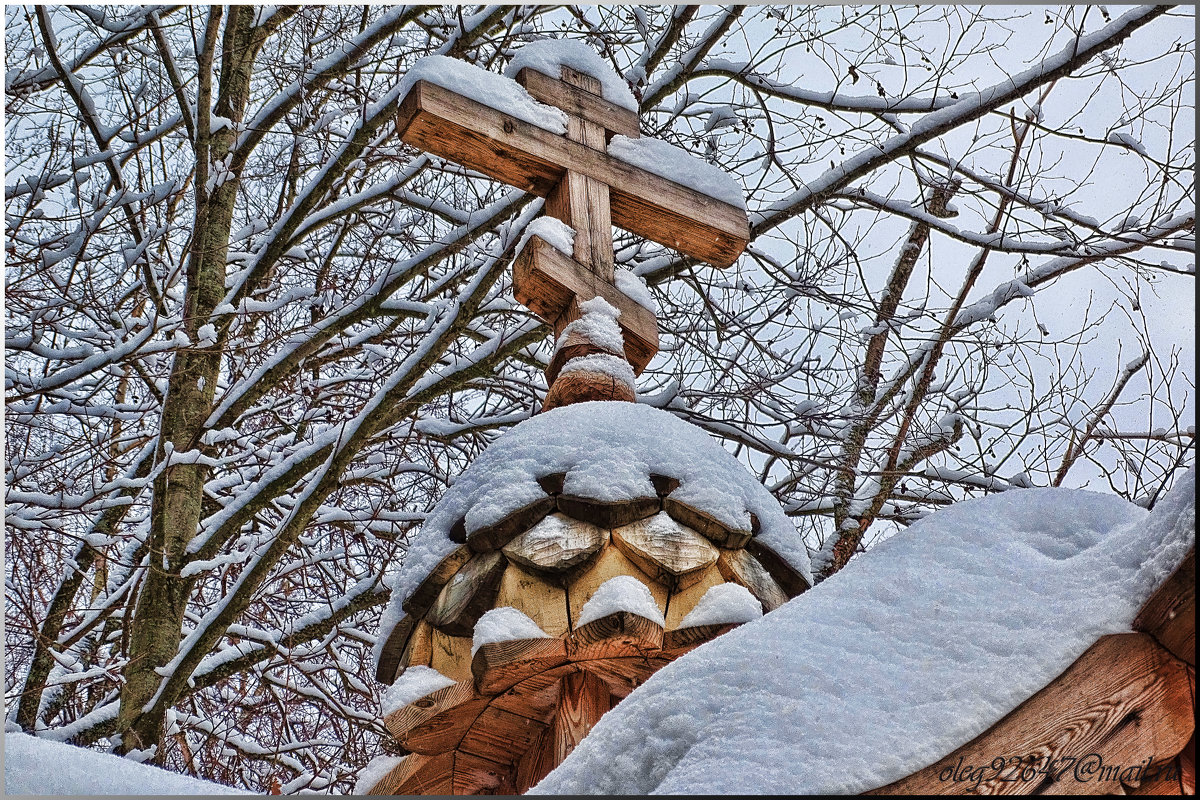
[[586, 188]]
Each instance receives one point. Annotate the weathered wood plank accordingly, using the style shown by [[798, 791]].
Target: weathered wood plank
[[623, 675], [610, 563], [685, 640], [493, 537], [536, 598], [622, 634], [585, 698], [546, 281], [741, 567], [581, 386], [1170, 613], [536, 763], [499, 666], [1125, 700], [391, 657], [501, 736], [419, 650], [428, 589], [468, 594], [451, 655], [684, 599], [671, 553], [556, 544], [418, 774], [608, 514], [578, 102], [436, 723], [705, 524], [523, 155], [791, 581], [536, 697], [476, 775]]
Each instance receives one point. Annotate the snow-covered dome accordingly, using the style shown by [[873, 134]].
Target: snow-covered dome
[[606, 462]]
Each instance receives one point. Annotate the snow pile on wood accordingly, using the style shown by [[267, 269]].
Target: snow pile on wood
[[634, 287], [374, 772], [727, 603], [549, 56], [554, 232], [678, 165], [492, 90], [615, 367], [622, 593], [504, 624], [597, 324], [608, 452], [961, 617], [416, 682], [42, 767]]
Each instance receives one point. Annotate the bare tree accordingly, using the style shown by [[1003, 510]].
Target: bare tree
[[251, 335]]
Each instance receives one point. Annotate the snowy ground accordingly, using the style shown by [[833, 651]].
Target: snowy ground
[[42, 767], [912, 650]]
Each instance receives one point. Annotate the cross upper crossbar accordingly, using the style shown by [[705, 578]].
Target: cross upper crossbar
[[584, 186]]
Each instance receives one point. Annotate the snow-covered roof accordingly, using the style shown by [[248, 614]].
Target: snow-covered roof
[[608, 451], [548, 56], [909, 652], [44, 767]]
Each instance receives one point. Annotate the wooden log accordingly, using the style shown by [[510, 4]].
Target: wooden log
[[508, 149], [1123, 701], [437, 722], [578, 102], [671, 553], [536, 763], [1170, 613], [683, 600], [623, 675], [742, 568], [499, 666], [418, 774], [476, 775], [501, 736], [428, 589], [419, 650], [621, 634], [493, 537], [704, 523], [610, 563], [685, 640], [536, 598], [451, 655], [584, 386], [391, 658], [585, 698], [547, 281], [467, 595], [537, 696], [556, 544], [563, 354], [791, 581], [605, 513]]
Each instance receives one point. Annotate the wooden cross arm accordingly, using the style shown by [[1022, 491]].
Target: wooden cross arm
[[574, 100], [546, 281], [508, 149]]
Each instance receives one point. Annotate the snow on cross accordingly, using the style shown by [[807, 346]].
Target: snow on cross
[[504, 129]]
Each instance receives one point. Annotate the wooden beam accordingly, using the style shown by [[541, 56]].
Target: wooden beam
[[523, 155], [418, 774], [1123, 701], [605, 513], [546, 281], [665, 550], [474, 774], [684, 598], [428, 589], [585, 698], [623, 675], [577, 102], [791, 581], [501, 736], [704, 523], [1170, 614], [499, 666], [536, 598], [494, 537], [621, 634], [742, 568], [437, 722]]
